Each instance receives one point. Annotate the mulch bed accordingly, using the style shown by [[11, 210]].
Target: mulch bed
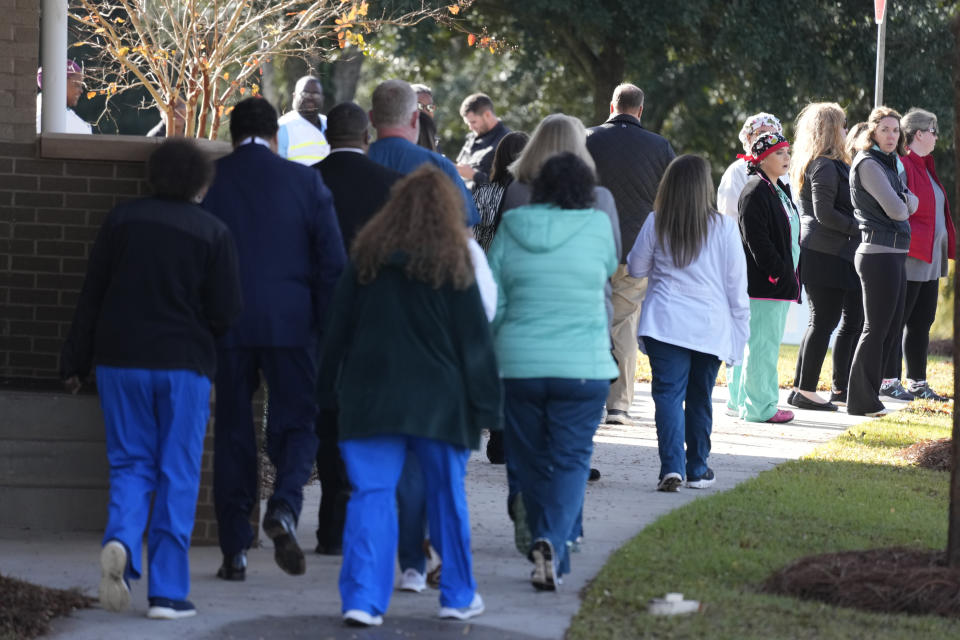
[[894, 580], [931, 454], [27, 609]]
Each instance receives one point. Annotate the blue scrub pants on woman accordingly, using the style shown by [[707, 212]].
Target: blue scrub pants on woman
[[683, 381], [155, 424], [550, 423], [370, 536]]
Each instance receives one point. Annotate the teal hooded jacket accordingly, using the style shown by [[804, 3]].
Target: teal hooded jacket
[[550, 266]]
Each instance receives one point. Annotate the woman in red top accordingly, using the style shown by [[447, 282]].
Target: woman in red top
[[931, 246]]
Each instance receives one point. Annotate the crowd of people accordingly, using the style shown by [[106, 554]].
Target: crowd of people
[[398, 305]]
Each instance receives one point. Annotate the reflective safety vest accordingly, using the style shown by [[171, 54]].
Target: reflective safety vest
[[300, 141]]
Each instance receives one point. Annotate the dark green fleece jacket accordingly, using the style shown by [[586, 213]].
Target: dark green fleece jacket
[[405, 358]]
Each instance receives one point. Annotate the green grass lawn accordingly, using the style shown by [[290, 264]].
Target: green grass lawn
[[854, 492], [939, 371]]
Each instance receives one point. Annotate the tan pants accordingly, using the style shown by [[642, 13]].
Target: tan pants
[[628, 293]]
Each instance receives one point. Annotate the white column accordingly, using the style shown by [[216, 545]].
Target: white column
[[53, 58]]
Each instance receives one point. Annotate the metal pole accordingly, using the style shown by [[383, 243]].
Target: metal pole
[[881, 51], [53, 57]]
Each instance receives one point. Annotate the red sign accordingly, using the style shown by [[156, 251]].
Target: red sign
[[879, 10]]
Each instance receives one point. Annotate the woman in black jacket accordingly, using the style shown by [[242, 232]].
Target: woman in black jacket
[[829, 237], [770, 230]]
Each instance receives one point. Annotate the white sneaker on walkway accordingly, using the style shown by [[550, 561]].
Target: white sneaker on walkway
[[412, 580], [464, 613], [114, 590], [359, 618], [670, 482]]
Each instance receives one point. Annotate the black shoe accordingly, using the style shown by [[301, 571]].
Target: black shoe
[[495, 452], [329, 549], [839, 398], [234, 567], [594, 475], [801, 401], [923, 391], [280, 526]]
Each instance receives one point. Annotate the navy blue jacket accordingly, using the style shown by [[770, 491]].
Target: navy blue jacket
[[288, 245]]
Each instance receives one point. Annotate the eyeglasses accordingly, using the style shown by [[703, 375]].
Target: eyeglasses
[[934, 131], [429, 108]]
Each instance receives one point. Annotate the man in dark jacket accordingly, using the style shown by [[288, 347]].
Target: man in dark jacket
[[360, 187], [162, 282], [291, 255], [630, 162], [486, 131]]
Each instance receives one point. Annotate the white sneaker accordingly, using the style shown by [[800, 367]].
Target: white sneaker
[[413, 580], [670, 482], [464, 613], [114, 591], [359, 618]]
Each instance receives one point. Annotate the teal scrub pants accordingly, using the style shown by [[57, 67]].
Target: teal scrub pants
[[754, 388]]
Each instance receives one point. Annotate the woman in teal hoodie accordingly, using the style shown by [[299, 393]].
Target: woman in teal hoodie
[[551, 260]]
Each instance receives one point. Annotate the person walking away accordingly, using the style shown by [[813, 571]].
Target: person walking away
[[410, 356], [162, 283], [695, 315], [554, 381]]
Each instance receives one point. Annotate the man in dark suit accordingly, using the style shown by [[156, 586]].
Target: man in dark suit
[[291, 255], [360, 187]]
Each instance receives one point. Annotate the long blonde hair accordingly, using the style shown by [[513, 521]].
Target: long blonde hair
[[555, 134], [683, 208], [424, 220], [819, 134]]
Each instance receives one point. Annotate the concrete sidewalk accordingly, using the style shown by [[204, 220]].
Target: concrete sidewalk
[[271, 604]]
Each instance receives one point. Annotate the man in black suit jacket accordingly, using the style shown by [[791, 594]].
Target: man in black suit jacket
[[360, 187]]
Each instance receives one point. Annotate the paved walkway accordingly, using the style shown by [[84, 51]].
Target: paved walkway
[[271, 604]]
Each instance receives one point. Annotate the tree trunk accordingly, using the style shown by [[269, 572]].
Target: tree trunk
[[346, 76], [607, 74], [953, 532]]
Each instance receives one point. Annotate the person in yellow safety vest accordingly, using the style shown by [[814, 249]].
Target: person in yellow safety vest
[[301, 135]]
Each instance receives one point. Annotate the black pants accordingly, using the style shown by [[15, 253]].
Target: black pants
[[884, 284], [919, 311], [828, 306], [334, 484]]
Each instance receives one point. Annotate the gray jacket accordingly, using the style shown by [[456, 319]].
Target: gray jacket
[[630, 162]]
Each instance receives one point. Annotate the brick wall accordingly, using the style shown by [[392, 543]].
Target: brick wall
[[51, 212], [19, 44]]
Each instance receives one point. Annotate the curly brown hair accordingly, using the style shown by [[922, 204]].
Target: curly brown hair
[[423, 220]]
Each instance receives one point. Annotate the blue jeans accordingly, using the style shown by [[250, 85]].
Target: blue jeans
[[155, 422], [550, 424], [683, 381], [370, 534]]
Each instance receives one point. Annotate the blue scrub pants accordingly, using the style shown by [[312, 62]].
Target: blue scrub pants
[[370, 535], [550, 424], [683, 381], [155, 424]]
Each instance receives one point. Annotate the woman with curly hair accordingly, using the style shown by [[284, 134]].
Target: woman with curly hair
[[409, 355], [551, 260], [829, 237]]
